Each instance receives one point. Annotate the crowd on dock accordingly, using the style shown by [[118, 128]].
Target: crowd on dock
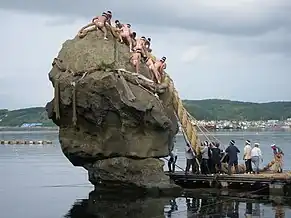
[[211, 157]]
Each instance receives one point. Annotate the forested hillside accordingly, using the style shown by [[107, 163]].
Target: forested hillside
[[211, 109]]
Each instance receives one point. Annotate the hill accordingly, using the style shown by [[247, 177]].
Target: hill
[[21, 116], [210, 109], [216, 109]]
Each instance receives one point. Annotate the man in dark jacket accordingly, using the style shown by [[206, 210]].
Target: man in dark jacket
[[216, 156], [232, 152]]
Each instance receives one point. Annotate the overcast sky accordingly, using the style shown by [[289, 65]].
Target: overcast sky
[[230, 49]]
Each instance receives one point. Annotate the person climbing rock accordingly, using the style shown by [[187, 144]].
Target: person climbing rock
[[148, 44], [118, 25], [140, 44], [256, 156], [133, 39], [109, 17], [135, 59], [172, 161], [155, 74], [125, 34], [232, 152], [100, 21], [160, 66], [278, 158], [247, 157]]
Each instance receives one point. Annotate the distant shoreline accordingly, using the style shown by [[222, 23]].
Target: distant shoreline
[[54, 129], [28, 129]]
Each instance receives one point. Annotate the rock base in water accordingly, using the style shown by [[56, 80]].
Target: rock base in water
[[146, 175], [118, 205]]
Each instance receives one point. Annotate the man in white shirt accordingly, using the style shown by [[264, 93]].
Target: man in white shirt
[[256, 155], [247, 157], [172, 161], [190, 159]]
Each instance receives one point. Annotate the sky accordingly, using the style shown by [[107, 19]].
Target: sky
[[237, 50]]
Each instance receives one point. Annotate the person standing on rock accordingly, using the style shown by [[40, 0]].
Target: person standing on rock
[[232, 152], [160, 66], [148, 44], [247, 157], [155, 74], [109, 17], [135, 59], [100, 23], [140, 44], [172, 161], [190, 159], [125, 34], [118, 25]]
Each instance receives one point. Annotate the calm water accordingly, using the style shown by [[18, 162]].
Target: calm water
[[37, 181]]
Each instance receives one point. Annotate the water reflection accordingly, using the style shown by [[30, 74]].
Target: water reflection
[[118, 205], [107, 206]]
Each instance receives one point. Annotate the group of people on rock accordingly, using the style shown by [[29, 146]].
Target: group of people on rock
[[211, 158], [138, 46]]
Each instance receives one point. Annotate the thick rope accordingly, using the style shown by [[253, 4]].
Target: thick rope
[[115, 52], [57, 99], [91, 27], [206, 130], [74, 118], [182, 114], [129, 94]]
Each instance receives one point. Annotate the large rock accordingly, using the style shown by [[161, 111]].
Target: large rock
[[117, 139]]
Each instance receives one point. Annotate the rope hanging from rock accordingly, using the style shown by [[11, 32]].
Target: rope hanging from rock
[[57, 99], [186, 123], [115, 53], [130, 96], [74, 117]]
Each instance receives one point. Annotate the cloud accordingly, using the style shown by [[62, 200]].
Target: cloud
[[226, 16], [228, 49]]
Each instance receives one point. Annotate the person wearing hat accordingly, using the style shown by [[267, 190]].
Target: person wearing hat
[[205, 150], [278, 157], [232, 152], [118, 25], [216, 157], [172, 161], [190, 159], [247, 157], [148, 44], [256, 155], [160, 66]]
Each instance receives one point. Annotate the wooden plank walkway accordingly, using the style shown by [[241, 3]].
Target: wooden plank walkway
[[240, 178], [276, 183]]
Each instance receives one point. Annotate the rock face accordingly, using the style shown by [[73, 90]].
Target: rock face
[[120, 128]]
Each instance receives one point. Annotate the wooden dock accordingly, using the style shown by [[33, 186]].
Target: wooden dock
[[24, 142], [274, 183]]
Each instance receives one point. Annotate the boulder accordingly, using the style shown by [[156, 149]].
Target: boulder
[[110, 121]]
